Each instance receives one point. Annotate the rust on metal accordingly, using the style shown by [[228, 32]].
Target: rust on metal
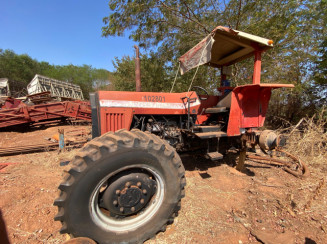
[[36, 148], [45, 112], [305, 170], [137, 69], [301, 170]]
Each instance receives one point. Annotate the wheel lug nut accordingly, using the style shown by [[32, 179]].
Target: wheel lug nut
[[115, 202], [128, 184], [139, 184], [121, 209], [118, 192], [132, 209], [144, 191], [142, 201]]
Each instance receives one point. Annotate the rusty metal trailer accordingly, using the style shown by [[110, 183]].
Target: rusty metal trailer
[[24, 114]]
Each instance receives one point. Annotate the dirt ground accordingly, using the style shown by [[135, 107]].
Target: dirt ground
[[221, 205]]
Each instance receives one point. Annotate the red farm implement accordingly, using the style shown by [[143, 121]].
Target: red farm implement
[[24, 114]]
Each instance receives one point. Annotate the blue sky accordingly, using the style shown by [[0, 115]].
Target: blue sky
[[61, 32]]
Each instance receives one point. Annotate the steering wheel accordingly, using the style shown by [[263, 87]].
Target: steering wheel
[[201, 88]]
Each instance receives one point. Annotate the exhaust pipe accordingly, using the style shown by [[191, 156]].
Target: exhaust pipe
[[137, 69]]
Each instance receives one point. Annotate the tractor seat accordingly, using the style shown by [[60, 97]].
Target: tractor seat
[[222, 106]]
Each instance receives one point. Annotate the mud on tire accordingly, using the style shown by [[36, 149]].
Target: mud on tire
[[123, 187]]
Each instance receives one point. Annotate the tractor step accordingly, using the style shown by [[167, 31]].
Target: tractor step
[[207, 128], [216, 110], [208, 135], [215, 156]]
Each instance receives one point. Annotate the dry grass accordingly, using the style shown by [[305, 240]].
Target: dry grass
[[308, 139]]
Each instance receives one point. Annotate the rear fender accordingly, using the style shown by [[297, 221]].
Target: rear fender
[[249, 104]]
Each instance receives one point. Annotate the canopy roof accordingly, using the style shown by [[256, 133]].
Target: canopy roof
[[223, 47]]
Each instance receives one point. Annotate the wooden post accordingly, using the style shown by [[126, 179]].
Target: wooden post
[[241, 160], [240, 164]]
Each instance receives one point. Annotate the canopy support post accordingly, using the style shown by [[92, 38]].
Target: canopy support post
[[257, 67]]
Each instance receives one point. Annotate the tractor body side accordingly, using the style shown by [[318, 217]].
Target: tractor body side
[[248, 105]]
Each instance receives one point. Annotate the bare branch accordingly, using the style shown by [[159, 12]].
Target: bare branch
[[214, 7], [238, 15], [177, 26], [186, 17], [190, 10]]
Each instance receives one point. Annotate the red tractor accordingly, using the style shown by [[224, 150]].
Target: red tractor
[[127, 183]]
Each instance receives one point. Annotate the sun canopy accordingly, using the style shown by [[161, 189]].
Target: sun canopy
[[223, 47]]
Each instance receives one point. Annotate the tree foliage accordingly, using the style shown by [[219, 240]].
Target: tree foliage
[[20, 70], [153, 74], [169, 28]]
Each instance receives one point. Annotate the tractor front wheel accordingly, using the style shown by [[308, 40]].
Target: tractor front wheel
[[124, 187]]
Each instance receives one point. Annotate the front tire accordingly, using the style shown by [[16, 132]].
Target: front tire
[[124, 187]]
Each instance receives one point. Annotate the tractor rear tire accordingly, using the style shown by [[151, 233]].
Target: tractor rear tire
[[124, 187]]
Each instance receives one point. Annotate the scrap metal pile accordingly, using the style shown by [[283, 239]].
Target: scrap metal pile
[[53, 102], [25, 114], [70, 138]]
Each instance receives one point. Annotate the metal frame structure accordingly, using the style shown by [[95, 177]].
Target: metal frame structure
[[45, 112], [4, 87], [59, 89]]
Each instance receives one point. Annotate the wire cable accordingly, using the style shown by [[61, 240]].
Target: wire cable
[[179, 65]]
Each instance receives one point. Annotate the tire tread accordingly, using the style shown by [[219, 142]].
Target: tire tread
[[111, 142]]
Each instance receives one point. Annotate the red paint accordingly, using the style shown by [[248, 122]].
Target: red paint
[[117, 108], [48, 111], [149, 102], [257, 67], [113, 119], [11, 102], [249, 106]]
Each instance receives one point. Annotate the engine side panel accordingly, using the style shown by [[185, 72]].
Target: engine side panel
[[117, 108]]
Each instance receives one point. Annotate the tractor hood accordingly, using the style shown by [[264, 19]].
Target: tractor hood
[[223, 47]]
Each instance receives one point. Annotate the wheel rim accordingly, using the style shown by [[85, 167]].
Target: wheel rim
[[133, 221]]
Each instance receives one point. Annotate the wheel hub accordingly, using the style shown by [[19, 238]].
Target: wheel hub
[[128, 193]]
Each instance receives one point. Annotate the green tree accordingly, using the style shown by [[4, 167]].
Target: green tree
[[320, 84], [172, 27], [20, 70], [154, 76]]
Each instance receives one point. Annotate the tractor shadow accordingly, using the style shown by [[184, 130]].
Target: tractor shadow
[[195, 162]]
